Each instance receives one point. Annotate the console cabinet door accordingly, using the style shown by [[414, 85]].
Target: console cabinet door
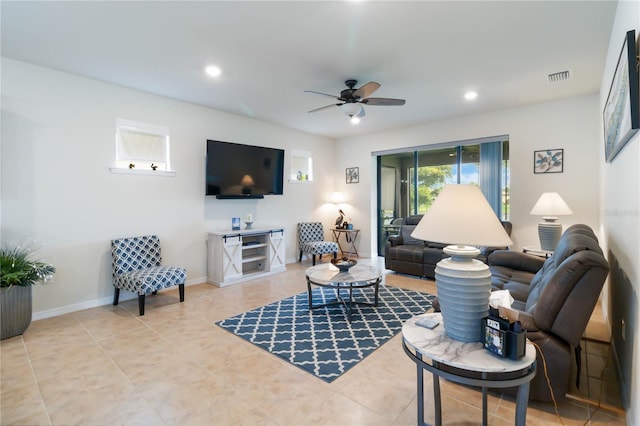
[[276, 250], [225, 258], [232, 257]]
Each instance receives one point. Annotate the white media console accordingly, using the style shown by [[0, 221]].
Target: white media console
[[237, 256]]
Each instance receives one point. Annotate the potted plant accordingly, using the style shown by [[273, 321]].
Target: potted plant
[[18, 272]]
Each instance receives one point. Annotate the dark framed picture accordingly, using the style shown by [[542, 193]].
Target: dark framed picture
[[548, 161], [353, 174], [621, 113]]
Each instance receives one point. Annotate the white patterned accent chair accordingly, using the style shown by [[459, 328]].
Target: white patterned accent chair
[[311, 240], [137, 267]]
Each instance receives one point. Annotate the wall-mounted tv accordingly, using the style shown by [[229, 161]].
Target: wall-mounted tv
[[243, 171]]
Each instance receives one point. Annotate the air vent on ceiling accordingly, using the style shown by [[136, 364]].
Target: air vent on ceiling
[[559, 76]]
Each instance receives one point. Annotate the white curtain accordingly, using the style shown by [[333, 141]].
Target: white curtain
[[137, 146]]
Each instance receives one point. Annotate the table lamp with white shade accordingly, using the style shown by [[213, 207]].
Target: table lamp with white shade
[[462, 216], [549, 206]]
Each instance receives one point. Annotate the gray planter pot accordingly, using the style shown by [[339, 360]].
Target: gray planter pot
[[15, 310]]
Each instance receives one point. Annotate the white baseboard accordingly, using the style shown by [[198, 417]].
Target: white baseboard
[[96, 302]]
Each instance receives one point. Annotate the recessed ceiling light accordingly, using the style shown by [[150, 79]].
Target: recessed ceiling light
[[470, 96], [213, 70]]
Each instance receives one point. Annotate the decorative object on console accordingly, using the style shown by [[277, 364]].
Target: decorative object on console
[[249, 220], [550, 205], [235, 224], [353, 174], [548, 161], [620, 123], [461, 213]]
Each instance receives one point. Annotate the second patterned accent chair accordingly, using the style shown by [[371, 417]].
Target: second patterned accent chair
[[311, 240], [137, 267]]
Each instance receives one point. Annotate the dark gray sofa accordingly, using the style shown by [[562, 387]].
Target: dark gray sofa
[[408, 255], [555, 299]]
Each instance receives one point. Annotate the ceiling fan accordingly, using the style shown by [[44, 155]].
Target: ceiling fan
[[351, 99]]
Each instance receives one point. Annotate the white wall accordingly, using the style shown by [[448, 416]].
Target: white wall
[[620, 206], [571, 124], [57, 146]]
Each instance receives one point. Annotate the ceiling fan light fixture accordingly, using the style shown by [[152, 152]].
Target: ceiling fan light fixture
[[355, 119], [351, 109]]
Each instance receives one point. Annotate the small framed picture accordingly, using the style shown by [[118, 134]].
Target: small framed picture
[[548, 161], [353, 174]]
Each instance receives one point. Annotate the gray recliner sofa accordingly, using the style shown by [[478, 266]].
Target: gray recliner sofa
[[408, 255], [555, 299]]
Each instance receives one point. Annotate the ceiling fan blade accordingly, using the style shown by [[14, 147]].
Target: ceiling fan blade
[[324, 107], [383, 101], [366, 90], [323, 94]]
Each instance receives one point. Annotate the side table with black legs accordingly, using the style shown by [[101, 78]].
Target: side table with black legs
[[465, 363], [350, 236]]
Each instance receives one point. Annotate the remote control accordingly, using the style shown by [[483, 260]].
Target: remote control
[[427, 323]]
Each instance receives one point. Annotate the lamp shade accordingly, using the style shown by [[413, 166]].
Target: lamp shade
[[247, 180], [461, 215], [337, 197], [550, 204]]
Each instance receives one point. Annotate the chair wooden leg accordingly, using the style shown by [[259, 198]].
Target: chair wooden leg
[[141, 304], [314, 259], [116, 295], [181, 290]]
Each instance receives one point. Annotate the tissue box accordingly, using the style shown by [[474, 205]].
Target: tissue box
[[503, 338]]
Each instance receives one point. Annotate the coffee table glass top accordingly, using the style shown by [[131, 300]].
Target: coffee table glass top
[[329, 274]]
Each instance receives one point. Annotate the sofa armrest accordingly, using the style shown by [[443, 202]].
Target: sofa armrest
[[486, 251], [394, 240], [516, 260]]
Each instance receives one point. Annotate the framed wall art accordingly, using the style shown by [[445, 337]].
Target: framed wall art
[[621, 113], [548, 161], [353, 174]]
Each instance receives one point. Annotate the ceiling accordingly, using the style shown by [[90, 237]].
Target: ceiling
[[427, 52]]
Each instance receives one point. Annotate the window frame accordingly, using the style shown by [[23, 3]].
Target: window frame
[[121, 166]]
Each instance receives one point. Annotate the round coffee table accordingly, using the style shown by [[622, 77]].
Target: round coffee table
[[359, 276]]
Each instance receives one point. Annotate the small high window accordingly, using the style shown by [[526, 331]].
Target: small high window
[[301, 166], [142, 146]]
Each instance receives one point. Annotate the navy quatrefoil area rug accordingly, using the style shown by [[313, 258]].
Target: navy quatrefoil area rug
[[323, 341]]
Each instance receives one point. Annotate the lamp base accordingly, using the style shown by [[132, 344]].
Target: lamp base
[[549, 232], [464, 286]]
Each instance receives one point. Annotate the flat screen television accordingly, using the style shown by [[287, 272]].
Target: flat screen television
[[243, 171]]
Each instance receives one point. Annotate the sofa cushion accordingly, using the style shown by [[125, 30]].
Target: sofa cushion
[[413, 220], [407, 253], [516, 281], [405, 231]]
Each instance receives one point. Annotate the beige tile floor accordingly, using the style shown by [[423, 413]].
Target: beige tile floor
[[174, 366]]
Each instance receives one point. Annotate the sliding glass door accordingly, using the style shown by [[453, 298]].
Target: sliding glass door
[[410, 181]]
